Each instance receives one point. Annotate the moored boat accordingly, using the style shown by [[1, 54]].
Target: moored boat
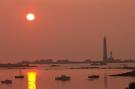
[[6, 82], [63, 78], [93, 77], [19, 76]]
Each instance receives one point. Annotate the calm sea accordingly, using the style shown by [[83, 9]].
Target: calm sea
[[44, 78]]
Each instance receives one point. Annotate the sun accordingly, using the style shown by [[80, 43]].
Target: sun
[[30, 17]]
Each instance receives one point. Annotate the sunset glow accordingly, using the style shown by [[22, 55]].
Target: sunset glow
[[32, 80], [30, 17]]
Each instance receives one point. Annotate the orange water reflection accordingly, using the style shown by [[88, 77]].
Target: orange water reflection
[[32, 80]]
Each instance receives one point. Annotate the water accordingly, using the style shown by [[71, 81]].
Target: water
[[45, 79]]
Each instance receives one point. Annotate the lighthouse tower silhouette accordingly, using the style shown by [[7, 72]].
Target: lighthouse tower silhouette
[[105, 58]]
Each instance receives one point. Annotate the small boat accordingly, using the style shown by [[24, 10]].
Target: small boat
[[6, 82], [63, 78], [93, 77], [55, 65], [20, 76]]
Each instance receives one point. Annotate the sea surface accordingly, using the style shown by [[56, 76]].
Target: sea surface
[[43, 77]]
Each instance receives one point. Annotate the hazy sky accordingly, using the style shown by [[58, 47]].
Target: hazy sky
[[71, 29]]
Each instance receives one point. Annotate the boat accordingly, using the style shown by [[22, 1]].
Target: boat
[[55, 65], [6, 82], [93, 77], [20, 76], [63, 78]]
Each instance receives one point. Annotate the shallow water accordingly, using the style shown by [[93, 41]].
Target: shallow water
[[45, 79]]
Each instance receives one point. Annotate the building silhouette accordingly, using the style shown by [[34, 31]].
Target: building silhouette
[[111, 59]]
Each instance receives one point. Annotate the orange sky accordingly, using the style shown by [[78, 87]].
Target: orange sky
[[71, 29]]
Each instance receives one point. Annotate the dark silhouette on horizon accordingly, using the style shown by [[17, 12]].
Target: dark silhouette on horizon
[[105, 58]]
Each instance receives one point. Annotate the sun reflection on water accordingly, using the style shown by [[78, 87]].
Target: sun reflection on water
[[32, 80]]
